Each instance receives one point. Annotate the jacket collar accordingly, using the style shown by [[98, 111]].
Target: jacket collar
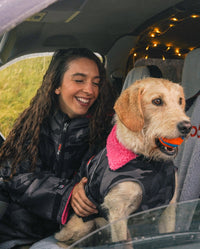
[[58, 119]]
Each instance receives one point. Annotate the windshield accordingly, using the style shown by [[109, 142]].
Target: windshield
[[144, 231]]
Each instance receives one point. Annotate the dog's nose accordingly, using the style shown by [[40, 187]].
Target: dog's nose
[[184, 127]]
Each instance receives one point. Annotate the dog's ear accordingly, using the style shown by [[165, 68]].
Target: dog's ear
[[129, 110]]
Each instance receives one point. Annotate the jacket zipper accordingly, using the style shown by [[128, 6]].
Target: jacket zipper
[[64, 131]]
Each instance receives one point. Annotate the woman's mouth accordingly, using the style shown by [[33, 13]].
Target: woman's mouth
[[83, 101]]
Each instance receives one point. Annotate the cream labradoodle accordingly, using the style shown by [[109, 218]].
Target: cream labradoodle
[[135, 169]]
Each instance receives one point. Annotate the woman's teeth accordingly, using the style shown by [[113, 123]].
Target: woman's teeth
[[84, 101]]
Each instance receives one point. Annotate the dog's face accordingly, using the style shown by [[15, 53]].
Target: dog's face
[[148, 111]]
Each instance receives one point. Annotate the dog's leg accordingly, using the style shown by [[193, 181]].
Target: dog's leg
[[73, 231], [167, 221], [121, 201]]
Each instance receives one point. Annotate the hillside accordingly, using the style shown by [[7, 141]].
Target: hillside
[[18, 84]]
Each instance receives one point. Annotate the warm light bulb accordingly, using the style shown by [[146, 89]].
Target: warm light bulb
[[157, 30], [155, 44], [169, 45], [146, 57], [152, 35], [171, 25], [174, 19], [163, 57], [194, 16], [134, 54], [147, 48], [177, 50], [179, 54]]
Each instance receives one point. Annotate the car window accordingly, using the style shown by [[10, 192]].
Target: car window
[[19, 81]]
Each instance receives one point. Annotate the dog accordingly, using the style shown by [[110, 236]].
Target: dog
[[150, 123]]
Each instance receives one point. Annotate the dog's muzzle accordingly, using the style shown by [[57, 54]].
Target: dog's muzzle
[[169, 146]]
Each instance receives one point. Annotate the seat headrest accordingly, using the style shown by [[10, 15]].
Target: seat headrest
[[137, 73], [191, 73]]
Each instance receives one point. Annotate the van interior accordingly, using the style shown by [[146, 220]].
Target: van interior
[[126, 33], [135, 39]]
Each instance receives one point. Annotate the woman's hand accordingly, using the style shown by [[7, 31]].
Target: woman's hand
[[80, 203]]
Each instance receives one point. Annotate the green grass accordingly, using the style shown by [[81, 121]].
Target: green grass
[[18, 84]]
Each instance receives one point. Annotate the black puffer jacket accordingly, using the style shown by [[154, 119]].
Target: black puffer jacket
[[38, 202]]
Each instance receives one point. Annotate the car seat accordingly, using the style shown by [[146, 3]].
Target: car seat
[[140, 72], [188, 158], [137, 73]]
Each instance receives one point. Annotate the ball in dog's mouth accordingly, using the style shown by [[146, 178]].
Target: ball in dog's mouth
[[169, 146]]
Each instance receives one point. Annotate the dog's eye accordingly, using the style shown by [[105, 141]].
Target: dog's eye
[[180, 101], [157, 101]]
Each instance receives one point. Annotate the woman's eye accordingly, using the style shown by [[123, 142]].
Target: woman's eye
[[96, 83], [180, 101], [78, 81], [157, 101]]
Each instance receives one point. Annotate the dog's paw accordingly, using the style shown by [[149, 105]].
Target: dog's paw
[[60, 236], [67, 236], [63, 235], [74, 230], [64, 238], [62, 245]]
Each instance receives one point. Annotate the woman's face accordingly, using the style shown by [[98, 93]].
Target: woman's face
[[79, 88]]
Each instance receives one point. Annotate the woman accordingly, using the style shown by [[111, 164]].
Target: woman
[[67, 120]]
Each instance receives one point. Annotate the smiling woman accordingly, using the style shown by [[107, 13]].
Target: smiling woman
[[66, 122]]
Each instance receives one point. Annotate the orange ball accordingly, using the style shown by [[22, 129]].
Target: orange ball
[[173, 142]]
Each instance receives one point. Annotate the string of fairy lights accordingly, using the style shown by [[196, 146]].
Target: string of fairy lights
[[150, 41]]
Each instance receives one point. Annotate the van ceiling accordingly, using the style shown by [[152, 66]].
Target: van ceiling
[[96, 24]]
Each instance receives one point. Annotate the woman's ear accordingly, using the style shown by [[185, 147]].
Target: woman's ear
[[57, 91]]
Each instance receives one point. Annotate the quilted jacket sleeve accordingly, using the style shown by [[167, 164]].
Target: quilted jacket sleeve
[[42, 194]]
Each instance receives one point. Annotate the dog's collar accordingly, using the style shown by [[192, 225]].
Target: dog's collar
[[117, 154]]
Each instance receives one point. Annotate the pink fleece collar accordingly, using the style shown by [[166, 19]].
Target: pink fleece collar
[[117, 154]]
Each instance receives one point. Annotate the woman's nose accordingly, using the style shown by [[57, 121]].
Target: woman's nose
[[88, 87]]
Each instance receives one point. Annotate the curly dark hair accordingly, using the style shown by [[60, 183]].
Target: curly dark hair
[[22, 141]]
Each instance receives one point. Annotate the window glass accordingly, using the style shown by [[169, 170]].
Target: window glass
[[144, 230], [18, 84]]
